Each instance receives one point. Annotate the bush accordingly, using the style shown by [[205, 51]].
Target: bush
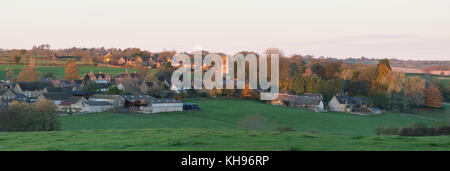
[[386, 131], [416, 129], [285, 129], [40, 116]]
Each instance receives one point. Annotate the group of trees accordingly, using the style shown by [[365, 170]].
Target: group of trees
[[85, 55], [30, 73], [40, 116]]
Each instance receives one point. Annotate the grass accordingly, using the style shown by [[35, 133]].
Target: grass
[[214, 127], [223, 114], [58, 71], [211, 139]]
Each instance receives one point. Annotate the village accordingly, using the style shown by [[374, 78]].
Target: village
[[69, 98]]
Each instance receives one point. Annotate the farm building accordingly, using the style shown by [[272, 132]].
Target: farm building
[[116, 100], [96, 106], [149, 104], [307, 101], [166, 105]]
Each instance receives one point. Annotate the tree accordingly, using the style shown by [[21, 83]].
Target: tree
[[9, 73], [297, 85], [71, 72], [114, 90], [90, 86], [433, 97], [386, 62], [29, 73]]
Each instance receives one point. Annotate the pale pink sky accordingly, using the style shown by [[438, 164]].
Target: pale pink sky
[[404, 29]]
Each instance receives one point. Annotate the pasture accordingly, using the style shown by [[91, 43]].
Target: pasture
[[58, 71]]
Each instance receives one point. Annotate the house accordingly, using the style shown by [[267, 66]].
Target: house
[[344, 103], [126, 76], [310, 102], [7, 95], [116, 100], [96, 106], [32, 89], [284, 100], [97, 77], [121, 61], [56, 97], [72, 105], [64, 101]]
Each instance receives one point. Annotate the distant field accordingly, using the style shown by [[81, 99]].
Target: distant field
[[58, 71], [223, 114]]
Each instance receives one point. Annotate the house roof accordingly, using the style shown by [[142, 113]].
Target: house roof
[[37, 85], [59, 89], [307, 100], [103, 96], [164, 101], [57, 96], [97, 103], [81, 93], [71, 100], [3, 91], [135, 98], [343, 99]]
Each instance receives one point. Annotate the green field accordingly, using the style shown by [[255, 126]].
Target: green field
[[214, 127], [58, 71]]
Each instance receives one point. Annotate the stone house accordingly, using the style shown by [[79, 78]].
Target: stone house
[[32, 89], [7, 95], [344, 103]]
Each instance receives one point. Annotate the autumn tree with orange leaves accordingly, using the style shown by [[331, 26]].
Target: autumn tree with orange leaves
[[71, 72], [29, 73], [433, 97]]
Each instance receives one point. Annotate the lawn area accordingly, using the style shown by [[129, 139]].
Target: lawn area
[[222, 113], [58, 71], [211, 139]]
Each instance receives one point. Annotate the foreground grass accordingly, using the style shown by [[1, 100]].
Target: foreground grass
[[225, 114], [207, 139]]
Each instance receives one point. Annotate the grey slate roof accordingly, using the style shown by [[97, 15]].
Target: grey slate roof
[[32, 86], [165, 101], [135, 98], [97, 103], [57, 96]]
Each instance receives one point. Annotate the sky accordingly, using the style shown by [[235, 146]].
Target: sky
[[402, 29]]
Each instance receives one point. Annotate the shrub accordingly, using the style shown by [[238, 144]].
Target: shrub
[[285, 129], [392, 130], [416, 129]]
